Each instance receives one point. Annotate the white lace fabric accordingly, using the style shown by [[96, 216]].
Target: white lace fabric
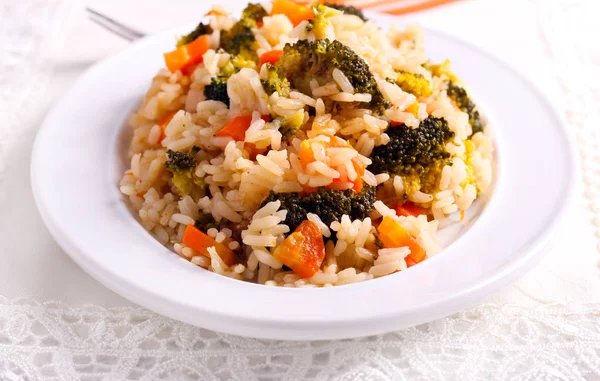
[[56, 323]]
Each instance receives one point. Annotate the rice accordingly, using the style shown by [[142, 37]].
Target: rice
[[257, 147], [342, 81]]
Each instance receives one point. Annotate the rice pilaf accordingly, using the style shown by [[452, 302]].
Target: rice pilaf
[[304, 146]]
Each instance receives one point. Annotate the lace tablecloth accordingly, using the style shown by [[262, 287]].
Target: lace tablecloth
[[56, 323]]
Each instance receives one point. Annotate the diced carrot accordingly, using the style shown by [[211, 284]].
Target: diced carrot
[[306, 189], [166, 119], [392, 234], [413, 109], [295, 12], [187, 55], [359, 167], [199, 241], [163, 124], [409, 209], [214, 12], [253, 150], [306, 154], [270, 57], [237, 127], [303, 251]]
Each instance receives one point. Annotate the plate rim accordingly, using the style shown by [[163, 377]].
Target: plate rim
[[500, 276]]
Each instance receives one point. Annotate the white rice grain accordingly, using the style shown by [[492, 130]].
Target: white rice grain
[[182, 219], [303, 98], [342, 97], [265, 257], [317, 220], [363, 97], [342, 81]]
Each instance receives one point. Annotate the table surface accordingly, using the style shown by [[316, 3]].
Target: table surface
[[58, 323]]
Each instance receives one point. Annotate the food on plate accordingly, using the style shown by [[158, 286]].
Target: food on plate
[[303, 146]]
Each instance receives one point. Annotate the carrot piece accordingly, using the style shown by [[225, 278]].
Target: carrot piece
[[163, 124], [295, 12], [199, 241], [166, 119], [187, 55], [409, 209], [237, 127], [303, 251], [306, 154], [392, 234], [214, 12], [270, 57], [359, 167], [306, 190], [254, 151]]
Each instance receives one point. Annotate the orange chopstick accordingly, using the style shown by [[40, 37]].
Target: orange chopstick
[[394, 7], [409, 8]]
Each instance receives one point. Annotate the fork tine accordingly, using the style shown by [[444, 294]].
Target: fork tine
[[113, 26], [112, 29]]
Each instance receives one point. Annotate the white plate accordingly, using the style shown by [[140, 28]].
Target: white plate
[[79, 157]]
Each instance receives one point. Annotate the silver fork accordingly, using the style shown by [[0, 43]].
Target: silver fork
[[113, 26]]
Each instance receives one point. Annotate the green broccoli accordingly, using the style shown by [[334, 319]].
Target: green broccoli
[[182, 166], [440, 70], [348, 10], [206, 221], [217, 90], [306, 60], [200, 30], [320, 22], [414, 83], [416, 154], [275, 82], [290, 124], [254, 12], [330, 205], [239, 41], [463, 102]]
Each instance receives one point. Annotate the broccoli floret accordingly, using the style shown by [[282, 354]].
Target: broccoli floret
[[463, 102], [361, 204], [440, 70], [414, 83], [348, 10], [239, 41], [320, 22], [206, 221], [306, 60], [182, 166], [290, 124], [330, 205], [292, 203], [275, 81], [254, 12], [217, 90], [416, 154], [200, 30]]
